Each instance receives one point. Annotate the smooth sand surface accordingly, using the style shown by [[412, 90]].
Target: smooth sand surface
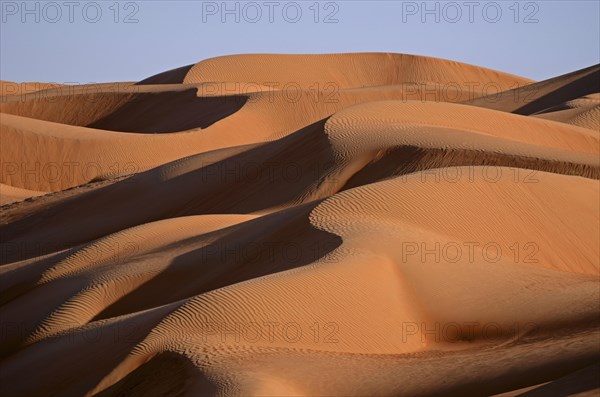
[[372, 224]]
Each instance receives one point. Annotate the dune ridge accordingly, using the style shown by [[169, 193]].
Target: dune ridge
[[392, 230]]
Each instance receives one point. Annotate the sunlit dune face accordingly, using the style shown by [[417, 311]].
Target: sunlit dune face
[[290, 225]]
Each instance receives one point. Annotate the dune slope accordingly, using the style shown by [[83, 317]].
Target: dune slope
[[379, 232]]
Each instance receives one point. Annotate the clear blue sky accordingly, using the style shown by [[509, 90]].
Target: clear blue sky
[[86, 42]]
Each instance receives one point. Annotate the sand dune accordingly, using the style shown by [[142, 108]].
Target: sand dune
[[582, 112], [532, 98], [11, 194], [11, 88], [204, 233], [344, 70], [263, 117]]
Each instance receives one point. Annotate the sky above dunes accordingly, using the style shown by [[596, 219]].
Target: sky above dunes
[[89, 42]]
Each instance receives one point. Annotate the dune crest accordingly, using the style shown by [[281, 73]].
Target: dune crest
[[370, 224], [344, 70]]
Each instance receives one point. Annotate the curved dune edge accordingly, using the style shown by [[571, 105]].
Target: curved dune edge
[[264, 111], [124, 107], [533, 98], [10, 194], [399, 116], [13, 88], [405, 288], [393, 236], [582, 112], [344, 70], [77, 155], [357, 146], [245, 74]]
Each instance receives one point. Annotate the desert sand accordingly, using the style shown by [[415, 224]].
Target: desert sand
[[302, 225]]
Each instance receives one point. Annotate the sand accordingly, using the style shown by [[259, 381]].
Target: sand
[[372, 224]]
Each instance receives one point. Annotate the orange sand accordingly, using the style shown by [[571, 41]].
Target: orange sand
[[370, 224]]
